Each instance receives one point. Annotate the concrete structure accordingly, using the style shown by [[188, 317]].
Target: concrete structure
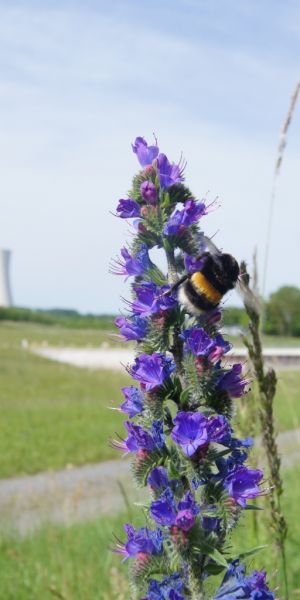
[[5, 290]]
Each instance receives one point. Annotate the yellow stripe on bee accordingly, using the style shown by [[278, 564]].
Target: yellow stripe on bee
[[201, 284]]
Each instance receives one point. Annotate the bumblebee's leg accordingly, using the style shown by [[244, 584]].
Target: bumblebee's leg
[[176, 285]]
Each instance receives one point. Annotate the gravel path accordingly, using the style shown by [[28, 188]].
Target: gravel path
[[84, 493]]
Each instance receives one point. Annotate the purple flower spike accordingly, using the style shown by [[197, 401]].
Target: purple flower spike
[[149, 192], [152, 369], [242, 484], [190, 431], [133, 403], [187, 216], [142, 540], [146, 154], [169, 173], [134, 328], [232, 383], [127, 209], [163, 510]]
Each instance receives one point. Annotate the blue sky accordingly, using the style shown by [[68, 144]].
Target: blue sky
[[78, 82]]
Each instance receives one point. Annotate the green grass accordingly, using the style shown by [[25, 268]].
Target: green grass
[[66, 563], [12, 334], [287, 400], [75, 564], [54, 414], [269, 341]]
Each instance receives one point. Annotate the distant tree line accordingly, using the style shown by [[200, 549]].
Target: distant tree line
[[281, 315], [57, 316]]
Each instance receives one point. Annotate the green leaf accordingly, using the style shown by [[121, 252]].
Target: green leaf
[[217, 557], [252, 551], [184, 396], [214, 569]]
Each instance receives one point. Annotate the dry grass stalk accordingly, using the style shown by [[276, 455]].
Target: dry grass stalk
[[266, 381], [280, 153]]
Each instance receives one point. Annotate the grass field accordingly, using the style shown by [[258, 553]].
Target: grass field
[[75, 563], [13, 334], [54, 414]]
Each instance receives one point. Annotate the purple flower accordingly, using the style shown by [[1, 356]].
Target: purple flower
[[232, 383], [218, 429], [198, 342], [158, 478], [169, 173], [166, 301], [258, 586], [142, 540], [190, 431], [168, 589], [147, 299], [181, 219], [134, 328], [163, 510], [242, 484], [150, 299], [157, 432], [237, 585], [193, 263], [146, 154], [152, 369], [149, 192], [187, 512], [210, 523], [127, 209], [185, 520], [139, 439], [135, 264], [133, 403], [220, 348]]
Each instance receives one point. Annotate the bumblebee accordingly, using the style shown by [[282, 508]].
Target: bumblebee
[[203, 290]]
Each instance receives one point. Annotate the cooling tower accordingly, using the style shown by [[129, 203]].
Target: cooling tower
[[5, 292]]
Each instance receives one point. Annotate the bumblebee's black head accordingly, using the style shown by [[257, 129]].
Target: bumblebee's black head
[[222, 271], [230, 268]]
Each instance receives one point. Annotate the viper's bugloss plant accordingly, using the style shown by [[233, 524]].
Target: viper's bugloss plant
[[179, 411]]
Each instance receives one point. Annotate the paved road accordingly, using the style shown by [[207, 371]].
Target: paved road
[[84, 493]]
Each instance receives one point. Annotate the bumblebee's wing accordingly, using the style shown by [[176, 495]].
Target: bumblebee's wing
[[211, 246], [251, 301]]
